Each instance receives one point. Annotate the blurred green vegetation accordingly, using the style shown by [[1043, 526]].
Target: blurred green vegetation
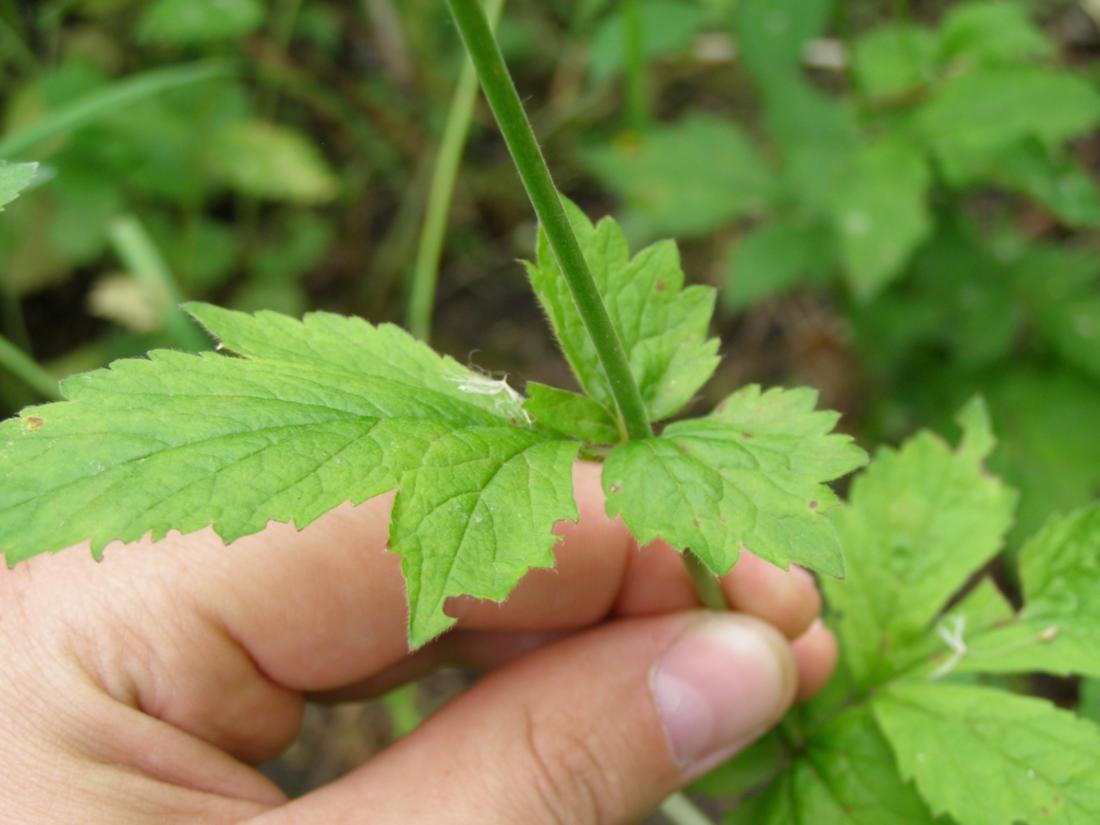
[[898, 201]]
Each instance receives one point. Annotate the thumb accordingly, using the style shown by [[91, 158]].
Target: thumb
[[598, 728]]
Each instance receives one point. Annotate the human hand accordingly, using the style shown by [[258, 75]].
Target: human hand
[[140, 689]]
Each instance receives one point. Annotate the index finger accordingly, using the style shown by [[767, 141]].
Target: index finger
[[325, 607]]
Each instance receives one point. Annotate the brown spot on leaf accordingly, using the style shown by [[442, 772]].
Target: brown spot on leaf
[[695, 523], [615, 488], [32, 422], [746, 435], [813, 505], [659, 286]]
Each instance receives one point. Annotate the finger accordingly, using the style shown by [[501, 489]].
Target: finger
[[597, 728], [480, 650], [815, 653], [788, 599], [290, 611]]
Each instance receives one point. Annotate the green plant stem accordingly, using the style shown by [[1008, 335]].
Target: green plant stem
[[637, 91], [680, 810], [520, 138], [705, 583], [143, 260], [430, 247], [23, 367]]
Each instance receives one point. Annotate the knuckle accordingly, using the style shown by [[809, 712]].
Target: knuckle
[[570, 777]]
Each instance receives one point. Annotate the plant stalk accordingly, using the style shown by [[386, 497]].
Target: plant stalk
[[504, 101], [429, 250], [706, 585], [27, 370]]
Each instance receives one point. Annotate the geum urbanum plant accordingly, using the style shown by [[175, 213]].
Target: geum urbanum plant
[[294, 418]]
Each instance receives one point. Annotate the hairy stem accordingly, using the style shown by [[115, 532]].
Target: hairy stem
[[706, 585], [430, 247], [23, 367], [637, 92], [500, 91]]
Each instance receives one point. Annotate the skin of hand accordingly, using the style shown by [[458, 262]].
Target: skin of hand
[[142, 688]]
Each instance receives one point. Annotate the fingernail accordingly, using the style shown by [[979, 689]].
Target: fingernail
[[719, 687]]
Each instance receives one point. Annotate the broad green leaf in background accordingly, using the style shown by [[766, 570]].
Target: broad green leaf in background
[[955, 296], [662, 324], [894, 60], [881, 213], [1058, 629], [312, 414], [987, 757], [14, 178], [774, 257], [918, 523], [977, 115], [685, 178], [99, 102], [197, 22], [268, 160], [990, 34], [749, 475], [771, 35], [1049, 450], [1053, 178], [905, 740], [1061, 284], [668, 26], [845, 775]]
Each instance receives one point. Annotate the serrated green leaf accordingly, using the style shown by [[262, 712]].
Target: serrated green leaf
[[881, 213], [571, 414], [268, 160], [466, 518], [749, 475], [685, 178], [314, 413], [987, 757], [918, 523], [1058, 629], [845, 776], [950, 648], [14, 178], [197, 22], [991, 33], [661, 323], [892, 61], [774, 257], [977, 115]]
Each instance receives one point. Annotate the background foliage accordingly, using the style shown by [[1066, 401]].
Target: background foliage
[[898, 201]]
